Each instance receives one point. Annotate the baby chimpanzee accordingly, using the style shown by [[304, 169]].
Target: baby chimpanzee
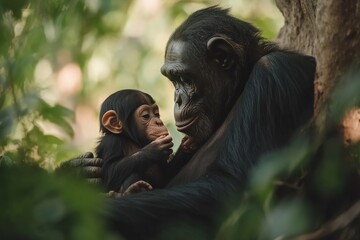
[[135, 144]]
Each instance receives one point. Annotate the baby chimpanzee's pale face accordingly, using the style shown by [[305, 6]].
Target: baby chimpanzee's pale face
[[149, 124]]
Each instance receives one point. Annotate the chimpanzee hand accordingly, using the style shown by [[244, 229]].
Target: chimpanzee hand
[[84, 165], [188, 144], [159, 149], [136, 187]]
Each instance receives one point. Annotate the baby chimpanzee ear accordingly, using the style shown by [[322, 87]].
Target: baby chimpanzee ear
[[111, 122]]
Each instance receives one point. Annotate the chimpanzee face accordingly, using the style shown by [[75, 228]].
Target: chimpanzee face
[[201, 89], [133, 114], [148, 122]]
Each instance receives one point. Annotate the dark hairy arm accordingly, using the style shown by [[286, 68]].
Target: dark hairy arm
[[145, 214], [116, 171]]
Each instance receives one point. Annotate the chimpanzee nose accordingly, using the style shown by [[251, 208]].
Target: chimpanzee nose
[[159, 122]]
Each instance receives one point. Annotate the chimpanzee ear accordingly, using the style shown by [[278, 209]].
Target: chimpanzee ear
[[111, 122], [223, 50]]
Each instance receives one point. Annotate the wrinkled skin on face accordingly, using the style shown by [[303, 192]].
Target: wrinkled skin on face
[[148, 122], [202, 91]]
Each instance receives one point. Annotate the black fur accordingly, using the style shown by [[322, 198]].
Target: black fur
[[276, 100], [121, 169]]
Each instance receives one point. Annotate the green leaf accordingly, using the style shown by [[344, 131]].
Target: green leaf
[[57, 114], [50, 139]]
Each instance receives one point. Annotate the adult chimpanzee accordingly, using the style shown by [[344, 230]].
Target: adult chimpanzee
[[237, 97], [135, 143]]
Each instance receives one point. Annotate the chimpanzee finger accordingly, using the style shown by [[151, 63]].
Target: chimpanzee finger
[[167, 138], [164, 138], [86, 155], [166, 145], [91, 172], [113, 194], [166, 141], [95, 181], [98, 162], [139, 186], [167, 152], [83, 162]]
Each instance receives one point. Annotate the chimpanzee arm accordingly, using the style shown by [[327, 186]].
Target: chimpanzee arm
[[177, 162], [142, 215], [276, 102], [84, 165], [117, 171]]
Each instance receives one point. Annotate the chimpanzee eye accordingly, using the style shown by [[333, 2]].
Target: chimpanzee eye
[[184, 80], [146, 116]]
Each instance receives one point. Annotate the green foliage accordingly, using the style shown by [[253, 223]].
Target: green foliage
[[31, 32], [39, 205], [36, 204]]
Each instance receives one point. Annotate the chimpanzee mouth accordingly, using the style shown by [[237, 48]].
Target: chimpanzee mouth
[[184, 125], [154, 136]]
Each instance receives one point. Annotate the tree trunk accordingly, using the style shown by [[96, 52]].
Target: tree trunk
[[329, 30]]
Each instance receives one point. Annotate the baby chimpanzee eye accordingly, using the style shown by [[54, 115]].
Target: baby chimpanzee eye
[[146, 116]]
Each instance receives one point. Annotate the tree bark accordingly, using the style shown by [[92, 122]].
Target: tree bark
[[329, 30], [299, 28]]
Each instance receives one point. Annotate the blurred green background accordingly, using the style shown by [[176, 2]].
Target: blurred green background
[[60, 59]]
